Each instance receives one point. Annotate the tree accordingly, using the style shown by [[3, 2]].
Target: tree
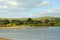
[[6, 22], [45, 21], [1, 22], [29, 21]]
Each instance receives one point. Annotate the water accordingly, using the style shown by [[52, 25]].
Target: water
[[51, 33]]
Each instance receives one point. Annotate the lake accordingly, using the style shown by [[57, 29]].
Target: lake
[[50, 33]]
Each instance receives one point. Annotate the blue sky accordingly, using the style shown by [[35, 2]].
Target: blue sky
[[29, 8]]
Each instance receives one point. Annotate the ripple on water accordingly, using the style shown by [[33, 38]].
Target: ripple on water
[[51, 33]]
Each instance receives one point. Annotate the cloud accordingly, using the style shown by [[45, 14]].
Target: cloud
[[31, 16], [3, 7], [4, 0], [23, 5], [13, 3], [53, 12], [1, 0], [44, 3]]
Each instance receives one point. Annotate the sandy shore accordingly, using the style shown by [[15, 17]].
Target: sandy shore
[[4, 39], [15, 27], [26, 27]]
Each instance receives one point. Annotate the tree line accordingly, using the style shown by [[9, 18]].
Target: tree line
[[29, 22]]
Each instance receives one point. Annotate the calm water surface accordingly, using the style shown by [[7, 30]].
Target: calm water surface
[[51, 33]]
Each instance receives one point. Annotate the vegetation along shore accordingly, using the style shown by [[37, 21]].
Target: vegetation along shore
[[33, 22]]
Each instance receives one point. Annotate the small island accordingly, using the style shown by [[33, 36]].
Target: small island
[[29, 22]]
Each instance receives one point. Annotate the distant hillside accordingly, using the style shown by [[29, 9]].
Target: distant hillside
[[50, 18], [39, 18]]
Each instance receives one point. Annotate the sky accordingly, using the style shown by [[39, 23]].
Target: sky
[[29, 8]]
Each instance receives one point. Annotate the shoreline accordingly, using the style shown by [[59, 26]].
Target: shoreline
[[15, 27]]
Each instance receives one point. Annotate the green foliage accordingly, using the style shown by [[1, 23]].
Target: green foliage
[[51, 21]]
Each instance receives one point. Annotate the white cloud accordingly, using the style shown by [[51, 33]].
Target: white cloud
[[31, 15], [13, 3], [53, 12], [44, 3], [4, 0], [57, 8], [1, 0], [23, 5], [3, 7]]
